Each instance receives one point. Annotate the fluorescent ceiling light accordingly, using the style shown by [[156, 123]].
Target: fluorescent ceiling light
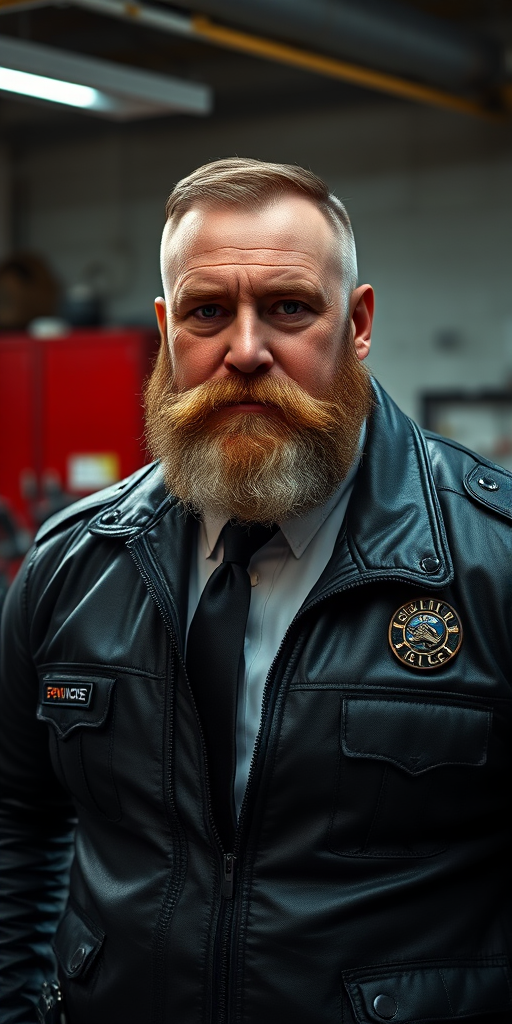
[[111, 90], [47, 88]]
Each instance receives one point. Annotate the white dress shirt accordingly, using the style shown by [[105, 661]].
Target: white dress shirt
[[282, 574]]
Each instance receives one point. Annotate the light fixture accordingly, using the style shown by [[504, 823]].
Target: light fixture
[[47, 88], [111, 90]]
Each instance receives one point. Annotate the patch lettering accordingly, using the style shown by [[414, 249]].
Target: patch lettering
[[68, 695], [425, 633]]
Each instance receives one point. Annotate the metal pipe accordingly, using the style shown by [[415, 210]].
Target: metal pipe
[[166, 21], [332, 68]]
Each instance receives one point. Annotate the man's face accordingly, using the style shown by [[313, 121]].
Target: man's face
[[257, 398], [258, 292]]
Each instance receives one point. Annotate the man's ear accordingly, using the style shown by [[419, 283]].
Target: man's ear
[[362, 305], [161, 316]]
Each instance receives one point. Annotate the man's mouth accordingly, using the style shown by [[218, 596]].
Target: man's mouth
[[247, 406]]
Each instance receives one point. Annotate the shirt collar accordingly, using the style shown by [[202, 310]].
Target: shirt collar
[[298, 530]]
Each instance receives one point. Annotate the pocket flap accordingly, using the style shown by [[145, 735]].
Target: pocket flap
[[416, 736], [69, 701], [76, 943], [409, 994]]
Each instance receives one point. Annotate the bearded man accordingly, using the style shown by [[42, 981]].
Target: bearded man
[[269, 674]]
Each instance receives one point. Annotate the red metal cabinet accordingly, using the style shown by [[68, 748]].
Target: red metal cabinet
[[71, 418], [18, 416]]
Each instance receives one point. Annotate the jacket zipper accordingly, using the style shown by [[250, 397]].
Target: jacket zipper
[[222, 959], [228, 880]]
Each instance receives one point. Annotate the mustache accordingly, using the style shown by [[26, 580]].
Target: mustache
[[256, 467], [193, 407]]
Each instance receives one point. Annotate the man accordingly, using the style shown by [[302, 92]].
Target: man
[[270, 674]]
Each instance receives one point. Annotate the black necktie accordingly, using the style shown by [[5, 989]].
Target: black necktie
[[215, 650]]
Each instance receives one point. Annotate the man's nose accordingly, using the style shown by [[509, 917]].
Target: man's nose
[[248, 340]]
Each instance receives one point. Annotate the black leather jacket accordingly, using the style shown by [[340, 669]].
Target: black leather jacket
[[369, 878]]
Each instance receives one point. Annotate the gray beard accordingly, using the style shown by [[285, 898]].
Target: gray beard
[[289, 478]]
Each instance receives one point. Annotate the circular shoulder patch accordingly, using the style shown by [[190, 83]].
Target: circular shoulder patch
[[425, 633]]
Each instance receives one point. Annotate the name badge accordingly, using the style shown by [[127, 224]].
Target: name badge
[[68, 695]]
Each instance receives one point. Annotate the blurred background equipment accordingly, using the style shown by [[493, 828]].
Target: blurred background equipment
[[14, 544], [480, 420], [28, 289]]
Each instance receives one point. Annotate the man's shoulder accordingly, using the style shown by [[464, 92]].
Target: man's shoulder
[[450, 468], [461, 471], [137, 492]]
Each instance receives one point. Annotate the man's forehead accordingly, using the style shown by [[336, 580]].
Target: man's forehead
[[292, 232], [234, 256]]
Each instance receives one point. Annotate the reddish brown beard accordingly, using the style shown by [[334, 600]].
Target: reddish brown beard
[[253, 466]]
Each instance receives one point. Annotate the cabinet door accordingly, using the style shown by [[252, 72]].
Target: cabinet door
[[92, 426]]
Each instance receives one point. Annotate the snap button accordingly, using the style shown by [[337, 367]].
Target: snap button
[[430, 564], [111, 517], [77, 959], [488, 483], [385, 1006]]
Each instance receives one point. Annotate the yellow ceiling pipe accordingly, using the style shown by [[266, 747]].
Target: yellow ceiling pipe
[[334, 68]]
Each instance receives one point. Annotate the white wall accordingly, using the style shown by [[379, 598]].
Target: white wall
[[436, 244], [428, 192]]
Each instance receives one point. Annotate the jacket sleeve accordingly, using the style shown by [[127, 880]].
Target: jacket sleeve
[[36, 823]]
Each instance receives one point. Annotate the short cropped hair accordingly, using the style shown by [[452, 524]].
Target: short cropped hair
[[249, 183]]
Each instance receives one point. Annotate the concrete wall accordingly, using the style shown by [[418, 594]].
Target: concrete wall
[[428, 192]]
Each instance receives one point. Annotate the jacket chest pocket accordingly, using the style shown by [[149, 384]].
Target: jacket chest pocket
[[80, 712], [476, 991], [409, 776]]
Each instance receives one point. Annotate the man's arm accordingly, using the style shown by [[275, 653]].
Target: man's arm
[[36, 822]]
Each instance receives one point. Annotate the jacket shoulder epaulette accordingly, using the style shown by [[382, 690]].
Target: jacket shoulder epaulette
[[491, 486], [90, 503], [459, 468]]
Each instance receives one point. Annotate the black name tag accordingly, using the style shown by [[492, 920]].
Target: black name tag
[[67, 694]]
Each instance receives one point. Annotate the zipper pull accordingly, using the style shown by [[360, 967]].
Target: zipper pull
[[228, 877]]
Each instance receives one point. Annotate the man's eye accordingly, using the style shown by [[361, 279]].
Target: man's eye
[[289, 307], [207, 312]]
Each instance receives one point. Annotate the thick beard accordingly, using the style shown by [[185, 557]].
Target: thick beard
[[251, 466]]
